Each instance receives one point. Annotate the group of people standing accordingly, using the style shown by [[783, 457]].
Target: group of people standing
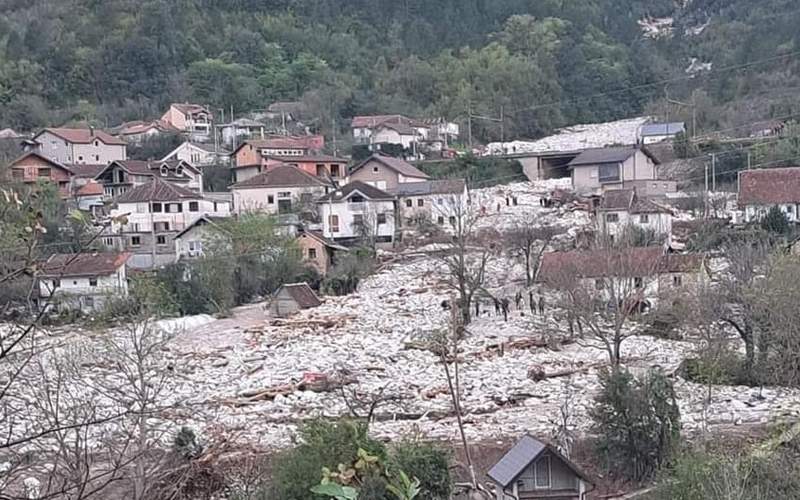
[[503, 305]]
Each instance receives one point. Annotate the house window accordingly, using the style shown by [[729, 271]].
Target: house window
[[43, 172], [88, 302], [542, 472], [157, 207], [194, 206], [312, 253], [92, 281], [136, 241], [161, 240], [381, 219], [440, 220], [270, 199], [285, 194], [420, 202], [452, 220], [358, 219], [608, 173], [321, 172], [612, 218], [334, 170], [375, 169], [638, 282], [56, 284], [599, 284], [174, 208], [97, 158], [333, 222], [409, 203], [109, 242], [80, 158], [215, 206], [54, 144], [162, 226], [677, 280], [97, 144], [644, 219]]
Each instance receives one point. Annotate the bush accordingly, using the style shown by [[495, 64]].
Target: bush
[[775, 222], [428, 463], [637, 421]]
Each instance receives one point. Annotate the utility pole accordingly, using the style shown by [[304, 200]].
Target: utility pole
[[749, 159], [335, 152], [469, 121], [502, 126], [714, 172], [694, 113], [705, 192]]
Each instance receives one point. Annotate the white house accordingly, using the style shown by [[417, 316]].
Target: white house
[[358, 210], [74, 145], [601, 169], [189, 243], [119, 177], [242, 129], [621, 209], [385, 173], [282, 189], [155, 213], [760, 190], [138, 131], [437, 202], [396, 133], [192, 119], [364, 127], [199, 154], [82, 282]]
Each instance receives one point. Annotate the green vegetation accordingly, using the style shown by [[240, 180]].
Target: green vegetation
[[481, 171]]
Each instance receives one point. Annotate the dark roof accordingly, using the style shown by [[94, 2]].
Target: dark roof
[[445, 186], [617, 199], [640, 206], [668, 128], [203, 219], [599, 156], [518, 458], [400, 166], [152, 168], [85, 264], [140, 127], [344, 192], [281, 176], [157, 189], [625, 262], [769, 186], [302, 294], [84, 136], [88, 171]]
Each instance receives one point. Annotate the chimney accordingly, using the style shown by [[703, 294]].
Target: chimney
[[91, 131]]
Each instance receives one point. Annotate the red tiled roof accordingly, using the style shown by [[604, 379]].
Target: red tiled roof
[[86, 171], [139, 127], [91, 188], [374, 121], [281, 176], [617, 199], [626, 262], [84, 136], [309, 158], [85, 264], [769, 186], [190, 109], [157, 190], [396, 164], [41, 157]]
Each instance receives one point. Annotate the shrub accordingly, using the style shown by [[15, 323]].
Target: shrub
[[429, 464], [775, 222], [637, 422]]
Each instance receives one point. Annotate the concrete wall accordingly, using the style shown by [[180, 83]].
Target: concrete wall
[[97, 153], [393, 137], [198, 236], [376, 174], [659, 223], [436, 209], [258, 199], [636, 168], [243, 174]]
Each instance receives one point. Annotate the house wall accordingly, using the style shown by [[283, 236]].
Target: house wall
[[196, 156], [659, 223], [257, 199], [97, 153], [199, 236], [54, 147], [175, 118], [27, 171], [638, 167], [436, 209], [753, 213], [346, 211], [561, 476], [376, 174], [241, 174], [311, 167], [72, 290], [322, 261], [385, 135], [247, 155]]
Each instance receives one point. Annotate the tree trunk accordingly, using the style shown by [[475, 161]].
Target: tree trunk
[[528, 277]]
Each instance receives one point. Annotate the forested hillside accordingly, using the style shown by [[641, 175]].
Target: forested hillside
[[105, 61]]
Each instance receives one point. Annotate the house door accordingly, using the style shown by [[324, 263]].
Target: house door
[[284, 206]]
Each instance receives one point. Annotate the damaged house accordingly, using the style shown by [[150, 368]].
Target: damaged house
[[622, 210], [291, 298]]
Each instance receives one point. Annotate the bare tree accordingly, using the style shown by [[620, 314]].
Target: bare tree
[[529, 239]]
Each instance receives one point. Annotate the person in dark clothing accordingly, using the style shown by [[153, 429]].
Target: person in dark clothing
[[496, 307], [477, 309], [518, 299], [505, 309], [541, 304], [531, 302]]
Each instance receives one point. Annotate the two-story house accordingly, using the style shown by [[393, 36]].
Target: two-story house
[[385, 173], [365, 127], [597, 170], [250, 158], [358, 212], [32, 167], [281, 189], [318, 251], [82, 282], [199, 154], [233, 133], [437, 202], [192, 119], [138, 131], [119, 177], [621, 210], [191, 241], [72, 145], [534, 470], [155, 212], [762, 189]]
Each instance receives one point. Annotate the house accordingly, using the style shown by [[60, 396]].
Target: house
[[762, 189], [596, 170], [364, 127], [119, 177], [291, 298], [385, 172], [651, 271], [396, 133], [192, 119], [156, 211], [434, 202], [656, 132], [89, 197], [255, 151], [621, 209], [533, 470], [33, 167], [82, 282], [442, 130], [318, 251], [281, 189], [189, 242], [358, 211], [199, 154], [324, 166], [74, 145], [236, 131], [138, 131]]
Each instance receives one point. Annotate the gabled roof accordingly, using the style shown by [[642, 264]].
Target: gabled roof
[[616, 200], [600, 156], [302, 294], [518, 458], [157, 190], [203, 219], [300, 142], [666, 128], [769, 186], [281, 176], [367, 191], [641, 206], [151, 168], [444, 186], [190, 109], [208, 148], [396, 164], [374, 121], [49, 161], [91, 188], [86, 170], [139, 127], [400, 128], [84, 136], [317, 235], [85, 264]]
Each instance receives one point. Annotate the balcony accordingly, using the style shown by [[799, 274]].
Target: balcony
[[356, 207]]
